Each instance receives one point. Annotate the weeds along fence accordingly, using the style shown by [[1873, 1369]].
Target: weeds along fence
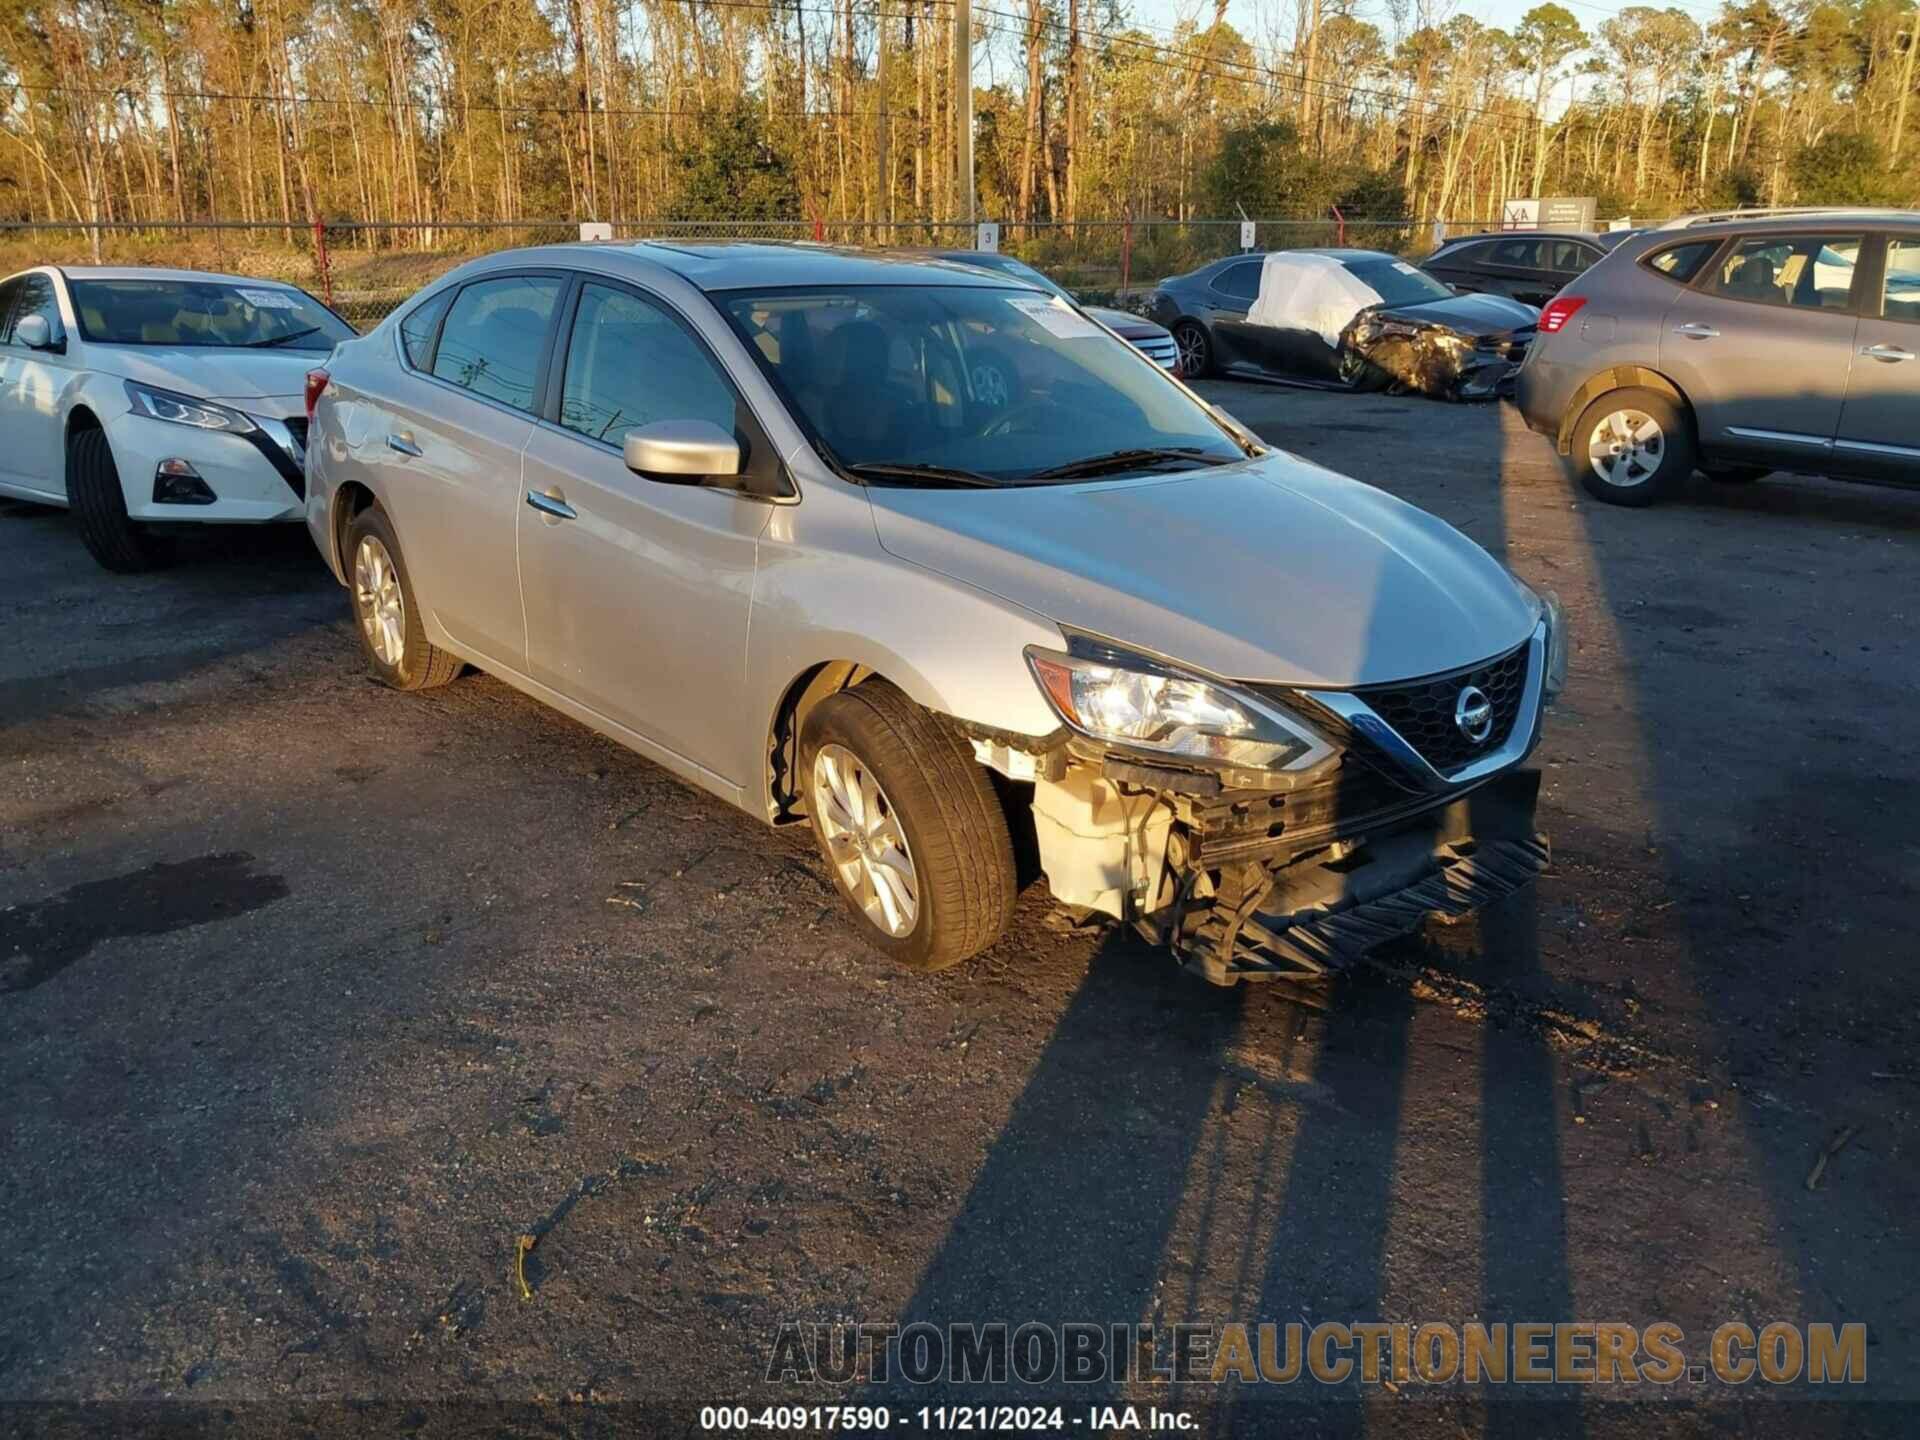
[[364, 269]]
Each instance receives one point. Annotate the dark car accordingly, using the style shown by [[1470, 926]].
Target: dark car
[[1417, 334], [1149, 339], [1531, 266], [1789, 341]]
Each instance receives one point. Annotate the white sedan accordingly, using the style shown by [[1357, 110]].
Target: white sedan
[[141, 398]]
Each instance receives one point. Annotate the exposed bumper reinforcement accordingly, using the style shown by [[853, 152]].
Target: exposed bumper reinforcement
[[1306, 923]]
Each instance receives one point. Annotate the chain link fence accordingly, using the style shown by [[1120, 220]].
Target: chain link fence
[[365, 269]]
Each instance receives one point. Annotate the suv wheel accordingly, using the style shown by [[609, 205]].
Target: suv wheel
[[1632, 447], [1196, 351], [910, 826], [385, 611]]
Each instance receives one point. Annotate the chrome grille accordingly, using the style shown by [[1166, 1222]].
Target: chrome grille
[[1422, 713], [1160, 349]]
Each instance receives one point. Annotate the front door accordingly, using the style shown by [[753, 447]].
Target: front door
[[1880, 425], [33, 458], [637, 590], [1764, 345]]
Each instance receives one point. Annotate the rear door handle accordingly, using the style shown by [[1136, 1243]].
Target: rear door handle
[[1886, 354], [551, 505], [1694, 330], [403, 443]]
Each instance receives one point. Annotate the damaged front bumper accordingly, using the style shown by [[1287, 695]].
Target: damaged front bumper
[[1295, 883], [1433, 360]]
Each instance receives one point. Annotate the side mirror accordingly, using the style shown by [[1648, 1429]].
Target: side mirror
[[34, 332], [682, 450]]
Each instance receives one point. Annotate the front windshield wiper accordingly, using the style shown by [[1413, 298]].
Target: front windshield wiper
[[281, 339], [921, 474], [1130, 460]]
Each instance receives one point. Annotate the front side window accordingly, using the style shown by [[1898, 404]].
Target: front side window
[[1682, 262], [1004, 385], [494, 335], [205, 314], [1240, 281], [630, 363], [417, 327], [1807, 272], [34, 296], [1901, 300], [8, 292]]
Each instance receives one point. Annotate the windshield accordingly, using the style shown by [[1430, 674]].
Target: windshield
[[1007, 265], [985, 385], [1397, 282], [204, 313]]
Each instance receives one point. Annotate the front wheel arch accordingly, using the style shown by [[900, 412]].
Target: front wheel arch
[[1622, 377]]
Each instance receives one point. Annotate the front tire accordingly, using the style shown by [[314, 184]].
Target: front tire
[[1632, 447], [99, 508], [1196, 349], [385, 612], [910, 827]]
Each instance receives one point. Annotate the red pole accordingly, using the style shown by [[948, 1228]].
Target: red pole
[[320, 259], [1342, 221]]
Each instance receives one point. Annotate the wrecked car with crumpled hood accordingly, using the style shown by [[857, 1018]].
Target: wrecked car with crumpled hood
[[1364, 320]]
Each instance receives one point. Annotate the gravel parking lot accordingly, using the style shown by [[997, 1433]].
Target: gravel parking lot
[[314, 997]]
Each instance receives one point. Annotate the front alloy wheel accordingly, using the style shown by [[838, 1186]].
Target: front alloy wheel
[[863, 837], [1632, 446]]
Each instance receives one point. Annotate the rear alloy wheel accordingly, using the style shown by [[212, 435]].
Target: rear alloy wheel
[[385, 610], [1632, 447], [909, 824], [1196, 350]]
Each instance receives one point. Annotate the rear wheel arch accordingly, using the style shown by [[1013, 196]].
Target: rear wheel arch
[[1620, 377]]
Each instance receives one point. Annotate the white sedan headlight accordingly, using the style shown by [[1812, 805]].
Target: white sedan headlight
[[185, 410], [1181, 715]]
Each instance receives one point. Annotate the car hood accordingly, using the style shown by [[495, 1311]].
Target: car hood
[[1275, 570], [1469, 314], [1125, 324], [209, 372]]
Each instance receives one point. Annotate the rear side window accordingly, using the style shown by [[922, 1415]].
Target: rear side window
[[1902, 300], [416, 329], [630, 363], [1240, 281], [1682, 262], [1570, 257], [1804, 272], [494, 336], [1521, 254]]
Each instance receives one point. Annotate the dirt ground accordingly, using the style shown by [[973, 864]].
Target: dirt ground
[[314, 997]]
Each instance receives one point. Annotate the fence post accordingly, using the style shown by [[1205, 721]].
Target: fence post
[[1340, 222], [321, 262], [1126, 251]]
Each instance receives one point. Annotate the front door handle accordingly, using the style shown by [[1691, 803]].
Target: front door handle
[[403, 442], [1694, 330], [1886, 354], [551, 505]]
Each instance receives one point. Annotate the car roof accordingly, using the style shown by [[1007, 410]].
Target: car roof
[[1536, 233], [159, 272], [1796, 220], [733, 265]]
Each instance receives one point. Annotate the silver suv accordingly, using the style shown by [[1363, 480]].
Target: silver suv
[[1738, 346], [737, 507]]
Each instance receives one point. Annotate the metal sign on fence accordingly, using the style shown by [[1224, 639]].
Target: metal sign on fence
[[987, 237], [595, 230], [1562, 212], [1248, 235]]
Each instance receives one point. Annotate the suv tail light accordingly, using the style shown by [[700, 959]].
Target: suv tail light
[[1560, 309], [316, 384]]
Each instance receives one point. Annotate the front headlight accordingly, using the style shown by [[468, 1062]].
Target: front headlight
[[1547, 607], [1143, 705], [185, 410]]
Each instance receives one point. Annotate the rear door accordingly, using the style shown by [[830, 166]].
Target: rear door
[[1517, 268], [446, 448], [1230, 294], [1880, 423], [1763, 345]]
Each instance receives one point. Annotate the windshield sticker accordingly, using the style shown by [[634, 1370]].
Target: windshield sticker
[[1057, 318], [1404, 268], [270, 299]]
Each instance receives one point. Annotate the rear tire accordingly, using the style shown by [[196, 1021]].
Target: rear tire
[[1196, 349], [1632, 447], [99, 508], [910, 826], [386, 614]]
